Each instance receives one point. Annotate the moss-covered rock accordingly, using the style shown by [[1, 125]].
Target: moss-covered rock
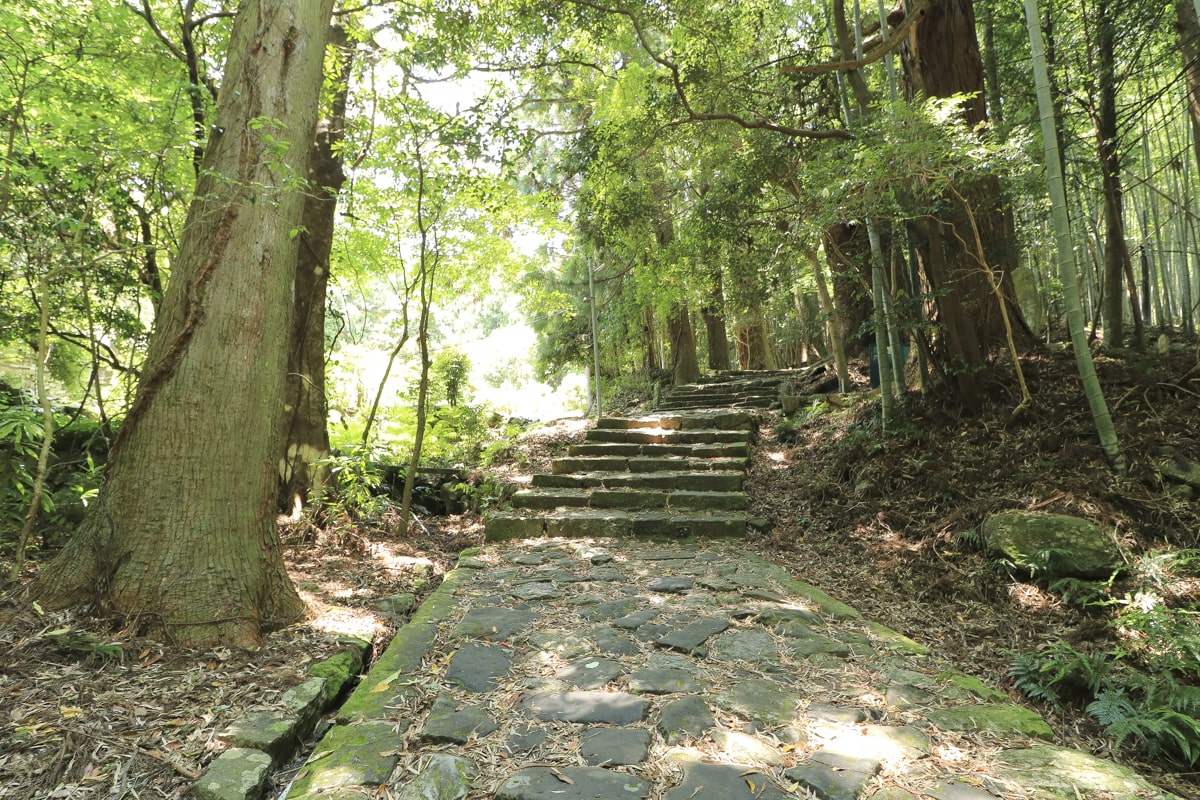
[[237, 774], [338, 671], [1060, 773], [1001, 718], [1054, 545], [361, 755]]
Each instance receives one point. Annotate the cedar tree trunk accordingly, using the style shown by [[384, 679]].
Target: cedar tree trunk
[[306, 437], [684, 363], [713, 314], [941, 58], [182, 539]]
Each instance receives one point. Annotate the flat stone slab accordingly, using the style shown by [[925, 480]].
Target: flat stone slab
[[236, 774], [637, 619], [804, 643], [478, 667], [572, 783], [440, 776], [591, 673], [664, 681], [1000, 717], [614, 747], [613, 708], [1058, 771], [562, 644], [754, 646], [351, 755], [272, 732], [762, 701], [536, 591], [744, 748], [493, 623], [953, 790], [848, 762], [613, 643], [613, 609], [526, 738], [671, 585], [449, 721], [689, 637], [688, 716], [828, 783], [724, 782], [879, 742]]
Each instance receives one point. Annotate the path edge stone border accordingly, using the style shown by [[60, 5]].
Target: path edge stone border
[[261, 741]]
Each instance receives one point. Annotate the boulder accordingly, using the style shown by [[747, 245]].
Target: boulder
[[1053, 545]]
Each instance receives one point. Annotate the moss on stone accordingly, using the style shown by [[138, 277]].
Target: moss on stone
[[1000, 718]]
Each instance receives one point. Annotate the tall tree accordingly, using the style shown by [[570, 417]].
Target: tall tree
[[941, 59], [182, 538], [306, 437]]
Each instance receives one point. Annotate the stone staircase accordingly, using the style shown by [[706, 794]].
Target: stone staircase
[[673, 474], [750, 389]]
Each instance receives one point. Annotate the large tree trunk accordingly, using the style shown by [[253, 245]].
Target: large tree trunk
[[941, 58], [849, 256], [685, 367], [753, 343], [182, 538], [713, 314], [306, 438]]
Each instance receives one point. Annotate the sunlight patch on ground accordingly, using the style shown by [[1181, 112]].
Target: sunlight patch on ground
[[1027, 595], [342, 621], [385, 553]]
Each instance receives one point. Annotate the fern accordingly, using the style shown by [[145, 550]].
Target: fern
[[1042, 675], [1154, 727], [1083, 594], [1027, 674]]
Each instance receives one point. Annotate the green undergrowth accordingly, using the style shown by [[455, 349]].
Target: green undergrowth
[[1141, 681], [79, 444]]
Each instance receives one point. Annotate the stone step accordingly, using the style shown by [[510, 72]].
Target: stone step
[[614, 463], [716, 419], [724, 390], [726, 450], [754, 375], [661, 436], [712, 481], [686, 404], [628, 499], [600, 524]]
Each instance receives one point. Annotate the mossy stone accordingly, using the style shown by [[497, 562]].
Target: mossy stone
[[999, 718]]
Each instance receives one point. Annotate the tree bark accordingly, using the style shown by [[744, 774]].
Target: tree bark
[[182, 539], [713, 314], [306, 441], [685, 367], [753, 346], [941, 58], [849, 257], [1116, 252]]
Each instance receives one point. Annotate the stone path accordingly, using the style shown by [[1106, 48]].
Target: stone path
[[606, 657]]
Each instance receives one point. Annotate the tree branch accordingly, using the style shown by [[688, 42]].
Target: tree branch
[[894, 40], [762, 123]]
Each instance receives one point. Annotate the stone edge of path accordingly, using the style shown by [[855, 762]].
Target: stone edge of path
[[345, 748], [262, 741]]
